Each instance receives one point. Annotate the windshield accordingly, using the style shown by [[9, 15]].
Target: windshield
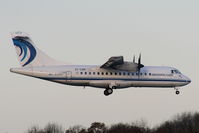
[[175, 71]]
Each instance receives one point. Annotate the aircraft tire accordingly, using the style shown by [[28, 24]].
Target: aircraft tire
[[110, 91], [177, 92], [106, 92]]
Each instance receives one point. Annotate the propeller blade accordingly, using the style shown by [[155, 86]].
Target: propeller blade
[[139, 60], [139, 65], [134, 59]]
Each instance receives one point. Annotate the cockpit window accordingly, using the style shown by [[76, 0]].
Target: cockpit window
[[175, 72]]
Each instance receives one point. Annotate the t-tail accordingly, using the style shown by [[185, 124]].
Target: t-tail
[[28, 54]]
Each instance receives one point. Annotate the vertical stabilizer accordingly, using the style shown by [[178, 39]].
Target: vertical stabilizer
[[28, 54]]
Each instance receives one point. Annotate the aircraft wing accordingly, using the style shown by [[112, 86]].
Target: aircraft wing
[[118, 63], [113, 62]]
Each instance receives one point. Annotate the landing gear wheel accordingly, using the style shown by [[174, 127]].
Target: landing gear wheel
[[177, 92], [108, 92]]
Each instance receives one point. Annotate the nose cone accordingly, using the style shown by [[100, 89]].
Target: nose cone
[[188, 80]]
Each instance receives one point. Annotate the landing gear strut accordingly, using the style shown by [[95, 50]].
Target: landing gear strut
[[108, 91]]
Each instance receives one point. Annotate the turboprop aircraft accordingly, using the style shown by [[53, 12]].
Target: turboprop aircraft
[[113, 74]]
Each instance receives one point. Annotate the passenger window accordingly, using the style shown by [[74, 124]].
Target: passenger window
[[120, 73], [81, 73], [85, 73], [89, 73], [124, 73], [98, 73], [93, 73], [106, 73], [145, 74], [132, 74], [150, 74], [102, 73], [111, 73], [115, 73]]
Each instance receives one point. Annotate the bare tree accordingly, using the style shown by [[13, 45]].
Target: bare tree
[[35, 129], [53, 128], [76, 129], [127, 128], [183, 123]]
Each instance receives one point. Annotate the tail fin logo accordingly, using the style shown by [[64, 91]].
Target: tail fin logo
[[24, 47]]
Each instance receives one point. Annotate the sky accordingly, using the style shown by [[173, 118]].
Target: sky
[[89, 32]]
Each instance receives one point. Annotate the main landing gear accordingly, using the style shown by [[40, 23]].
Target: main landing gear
[[109, 91], [177, 91]]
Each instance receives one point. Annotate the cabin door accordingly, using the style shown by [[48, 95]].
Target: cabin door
[[68, 75]]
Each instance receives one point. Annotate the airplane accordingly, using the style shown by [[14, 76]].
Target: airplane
[[113, 74]]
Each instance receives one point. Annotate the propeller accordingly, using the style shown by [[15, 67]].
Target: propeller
[[134, 59], [139, 65]]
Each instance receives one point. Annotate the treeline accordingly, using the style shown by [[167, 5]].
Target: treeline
[[183, 123]]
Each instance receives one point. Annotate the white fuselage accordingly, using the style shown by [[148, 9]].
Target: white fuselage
[[113, 74], [90, 75]]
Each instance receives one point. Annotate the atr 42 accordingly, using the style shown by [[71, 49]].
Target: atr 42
[[114, 74]]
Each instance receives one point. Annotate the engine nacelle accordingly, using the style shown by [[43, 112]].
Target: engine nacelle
[[127, 66]]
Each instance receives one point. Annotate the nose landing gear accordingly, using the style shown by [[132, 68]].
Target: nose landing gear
[[177, 91]]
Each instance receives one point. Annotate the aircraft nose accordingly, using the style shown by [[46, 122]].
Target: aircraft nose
[[188, 80]]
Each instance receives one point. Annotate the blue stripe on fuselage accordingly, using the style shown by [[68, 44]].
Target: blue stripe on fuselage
[[121, 79]]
